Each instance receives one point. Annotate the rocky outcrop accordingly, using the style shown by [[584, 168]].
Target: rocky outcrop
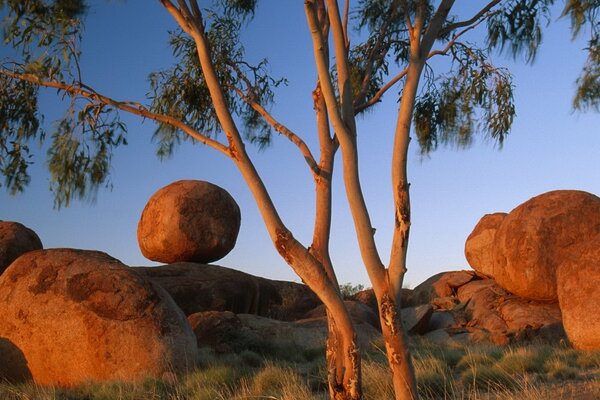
[[16, 239], [479, 247], [538, 236], [578, 284], [189, 220], [201, 287], [74, 316], [439, 285], [296, 300]]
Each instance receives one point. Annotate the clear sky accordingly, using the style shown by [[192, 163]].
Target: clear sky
[[550, 147]]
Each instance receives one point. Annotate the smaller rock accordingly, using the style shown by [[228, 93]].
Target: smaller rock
[[444, 303], [16, 239], [444, 284], [416, 319], [212, 328], [440, 320], [479, 247]]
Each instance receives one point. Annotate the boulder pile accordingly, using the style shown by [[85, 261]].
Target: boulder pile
[[546, 249]]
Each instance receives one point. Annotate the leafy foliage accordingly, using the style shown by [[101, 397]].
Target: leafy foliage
[[582, 13], [19, 123], [475, 96], [182, 92], [517, 27]]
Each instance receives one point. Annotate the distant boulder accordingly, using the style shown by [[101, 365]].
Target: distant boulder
[[578, 285], [16, 239], [214, 328], [538, 236], [189, 220], [73, 316], [479, 247]]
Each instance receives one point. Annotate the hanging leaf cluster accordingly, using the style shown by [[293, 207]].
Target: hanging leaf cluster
[[474, 97], [181, 91]]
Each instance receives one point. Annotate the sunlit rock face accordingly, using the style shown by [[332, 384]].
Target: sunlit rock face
[[189, 220], [578, 286], [479, 247], [15, 240], [538, 236], [72, 316]]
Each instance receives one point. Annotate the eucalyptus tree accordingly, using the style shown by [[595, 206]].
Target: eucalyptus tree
[[214, 96]]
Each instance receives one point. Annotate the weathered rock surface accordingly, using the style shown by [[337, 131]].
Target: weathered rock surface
[[213, 328], [443, 284], [416, 319], [189, 221], [359, 312], [306, 334], [538, 236], [74, 316], [578, 283], [479, 247], [16, 239], [296, 300], [201, 287]]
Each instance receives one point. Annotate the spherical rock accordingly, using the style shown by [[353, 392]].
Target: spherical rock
[[15, 240], [73, 316], [189, 221], [578, 287], [538, 236], [480, 243]]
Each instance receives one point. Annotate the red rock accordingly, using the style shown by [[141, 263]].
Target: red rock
[[479, 247], [578, 286], [79, 316], [416, 319], [538, 236], [15, 240], [444, 284], [189, 221]]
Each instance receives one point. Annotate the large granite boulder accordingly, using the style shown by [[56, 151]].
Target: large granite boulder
[[189, 220], [538, 236], [202, 287], [479, 247], [73, 316], [16, 239], [578, 286], [213, 328]]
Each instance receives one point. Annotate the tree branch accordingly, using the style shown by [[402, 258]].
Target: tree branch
[[178, 16], [435, 25], [127, 106], [377, 96], [282, 129], [468, 22]]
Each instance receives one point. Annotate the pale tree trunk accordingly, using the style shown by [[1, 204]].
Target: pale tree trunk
[[305, 265], [320, 250]]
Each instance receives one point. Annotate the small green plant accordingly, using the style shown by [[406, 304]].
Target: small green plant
[[348, 289]]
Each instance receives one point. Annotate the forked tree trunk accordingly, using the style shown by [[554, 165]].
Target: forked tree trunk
[[396, 346]]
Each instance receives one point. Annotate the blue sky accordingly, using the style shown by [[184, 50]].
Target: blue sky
[[550, 147]]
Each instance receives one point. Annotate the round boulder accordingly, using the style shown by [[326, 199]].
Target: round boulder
[[74, 316], [479, 247], [15, 240], [189, 220], [578, 287], [538, 236]]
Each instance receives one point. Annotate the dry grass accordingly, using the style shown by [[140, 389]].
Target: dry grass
[[530, 372]]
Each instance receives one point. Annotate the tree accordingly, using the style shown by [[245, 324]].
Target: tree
[[213, 89]]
